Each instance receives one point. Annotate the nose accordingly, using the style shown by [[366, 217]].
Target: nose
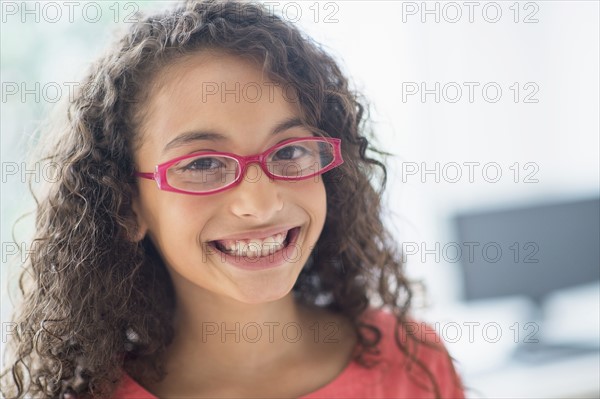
[[256, 196]]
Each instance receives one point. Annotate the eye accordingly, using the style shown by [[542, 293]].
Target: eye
[[289, 152], [202, 164]]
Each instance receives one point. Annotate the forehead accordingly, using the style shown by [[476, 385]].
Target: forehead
[[207, 66], [214, 90]]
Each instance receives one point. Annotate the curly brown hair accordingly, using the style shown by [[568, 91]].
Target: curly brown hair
[[93, 298]]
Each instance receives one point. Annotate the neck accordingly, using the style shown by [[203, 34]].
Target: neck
[[227, 334]]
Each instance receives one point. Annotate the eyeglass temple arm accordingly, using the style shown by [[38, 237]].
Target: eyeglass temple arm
[[149, 176]]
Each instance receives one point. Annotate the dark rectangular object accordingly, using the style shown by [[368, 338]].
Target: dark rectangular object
[[543, 248]]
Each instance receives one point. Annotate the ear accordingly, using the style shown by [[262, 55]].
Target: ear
[[142, 226]]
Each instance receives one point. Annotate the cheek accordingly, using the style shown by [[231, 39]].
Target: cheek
[[318, 210], [322, 196], [176, 221], [313, 199]]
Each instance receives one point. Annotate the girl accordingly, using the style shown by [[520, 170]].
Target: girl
[[214, 230]]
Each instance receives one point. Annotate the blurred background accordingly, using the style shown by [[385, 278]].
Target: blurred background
[[491, 110]]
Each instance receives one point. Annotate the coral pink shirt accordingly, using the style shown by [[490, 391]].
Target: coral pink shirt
[[388, 379]]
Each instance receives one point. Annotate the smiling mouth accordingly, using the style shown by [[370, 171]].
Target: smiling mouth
[[256, 248]]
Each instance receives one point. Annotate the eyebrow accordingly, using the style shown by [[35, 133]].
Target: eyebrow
[[196, 135]]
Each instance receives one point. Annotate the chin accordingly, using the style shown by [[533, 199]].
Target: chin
[[261, 295]]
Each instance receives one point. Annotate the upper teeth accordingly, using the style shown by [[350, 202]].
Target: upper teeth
[[255, 246]]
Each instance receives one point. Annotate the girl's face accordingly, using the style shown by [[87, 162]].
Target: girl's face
[[245, 113]]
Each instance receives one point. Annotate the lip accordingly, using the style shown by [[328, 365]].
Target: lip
[[264, 233], [286, 254]]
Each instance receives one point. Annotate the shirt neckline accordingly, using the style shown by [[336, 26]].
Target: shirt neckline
[[339, 379]]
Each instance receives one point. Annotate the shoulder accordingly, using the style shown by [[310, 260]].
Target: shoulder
[[410, 332], [128, 388], [410, 354]]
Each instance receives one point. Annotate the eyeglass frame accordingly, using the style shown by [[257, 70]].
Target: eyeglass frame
[[160, 173]]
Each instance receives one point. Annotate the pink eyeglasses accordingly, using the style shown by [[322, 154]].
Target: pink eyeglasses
[[206, 173]]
